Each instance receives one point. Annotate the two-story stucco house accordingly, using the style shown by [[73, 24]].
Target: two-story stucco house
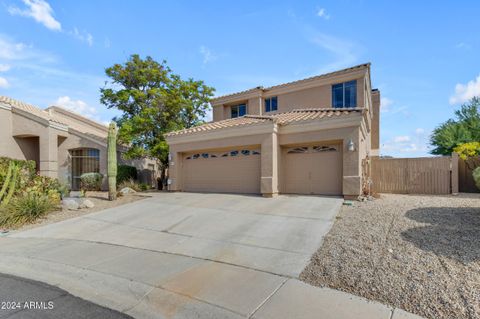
[[311, 136], [63, 144]]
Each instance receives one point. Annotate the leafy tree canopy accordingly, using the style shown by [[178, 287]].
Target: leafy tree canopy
[[464, 128], [153, 101]]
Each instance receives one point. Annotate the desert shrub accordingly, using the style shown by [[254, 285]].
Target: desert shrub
[[26, 171], [129, 183], [125, 173], [25, 209], [467, 150], [91, 181], [43, 185], [476, 176], [144, 187]]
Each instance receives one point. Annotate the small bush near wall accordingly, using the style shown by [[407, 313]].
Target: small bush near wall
[[125, 173], [91, 181]]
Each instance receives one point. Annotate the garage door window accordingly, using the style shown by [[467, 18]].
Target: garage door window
[[313, 149], [324, 148], [233, 153]]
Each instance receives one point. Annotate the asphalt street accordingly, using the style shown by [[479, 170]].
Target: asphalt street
[[24, 298]]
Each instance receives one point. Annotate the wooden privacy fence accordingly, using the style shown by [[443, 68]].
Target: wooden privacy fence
[[465, 178], [428, 175]]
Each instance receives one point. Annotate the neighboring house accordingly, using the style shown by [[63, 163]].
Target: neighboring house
[[311, 136], [63, 144]]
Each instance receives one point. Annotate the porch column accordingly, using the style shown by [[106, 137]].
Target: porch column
[[352, 180], [48, 145], [269, 165], [175, 170]]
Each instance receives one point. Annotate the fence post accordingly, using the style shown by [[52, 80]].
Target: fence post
[[454, 175]]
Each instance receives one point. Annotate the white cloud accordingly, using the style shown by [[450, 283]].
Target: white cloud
[[419, 131], [322, 13], [82, 36], [4, 83], [208, 55], [463, 45], [464, 92], [401, 139], [40, 11], [385, 104], [4, 67], [345, 52], [411, 145], [77, 106], [10, 50]]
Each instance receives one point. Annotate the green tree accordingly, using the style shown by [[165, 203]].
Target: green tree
[[153, 101], [463, 129]]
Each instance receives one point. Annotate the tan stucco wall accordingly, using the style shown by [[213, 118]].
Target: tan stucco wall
[[8, 146], [271, 158], [23, 136], [375, 137], [317, 96]]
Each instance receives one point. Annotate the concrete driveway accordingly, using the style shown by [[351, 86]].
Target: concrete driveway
[[186, 255]]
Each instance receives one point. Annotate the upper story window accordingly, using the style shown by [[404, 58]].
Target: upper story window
[[271, 104], [344, 94], [239, 110]]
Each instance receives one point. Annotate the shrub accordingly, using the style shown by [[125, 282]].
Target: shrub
[[43, 185], [91, 181], [25, 209], [476, 176], [467, 150], [144, 187], [125, 173], [129, 183]]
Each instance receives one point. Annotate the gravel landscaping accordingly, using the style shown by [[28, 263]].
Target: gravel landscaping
[[418, 253]]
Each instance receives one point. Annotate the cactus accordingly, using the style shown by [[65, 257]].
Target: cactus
[[112, 161], [7, 180], [12, 186]]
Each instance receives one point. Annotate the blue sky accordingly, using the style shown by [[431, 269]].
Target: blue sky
[[424, 54]]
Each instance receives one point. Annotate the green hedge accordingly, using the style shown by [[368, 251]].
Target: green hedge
[[125, 173]]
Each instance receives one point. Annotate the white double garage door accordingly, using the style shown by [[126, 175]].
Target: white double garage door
[[312, 169]]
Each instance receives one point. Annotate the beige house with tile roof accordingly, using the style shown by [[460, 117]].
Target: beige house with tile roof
[[63, 144], [312, 136]]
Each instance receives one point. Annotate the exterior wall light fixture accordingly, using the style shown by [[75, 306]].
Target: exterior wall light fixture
[[351, 146]]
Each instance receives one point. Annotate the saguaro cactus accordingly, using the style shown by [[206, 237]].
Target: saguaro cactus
[[6, 182], [112, 161], [12, 185]]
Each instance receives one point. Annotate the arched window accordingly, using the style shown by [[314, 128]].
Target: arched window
[[84, 160]]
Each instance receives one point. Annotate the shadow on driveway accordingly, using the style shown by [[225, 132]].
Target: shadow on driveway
[[25, 298], [452, 232]]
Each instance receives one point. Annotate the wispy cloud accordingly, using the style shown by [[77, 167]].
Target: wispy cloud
[[83, 36], [322, 13], [464, 92], [385, 104], [77, 106], [416, 143], [4, 67], [207, 54], [40, 11], [463, 45], [343, 51], [4, 84]]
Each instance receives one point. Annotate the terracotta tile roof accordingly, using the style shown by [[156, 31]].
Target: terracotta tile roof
[[94, 131], [356, 67], [279, 118], [22, 106]]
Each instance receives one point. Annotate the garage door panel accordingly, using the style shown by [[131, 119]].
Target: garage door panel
[[313, 170], [227, 174]]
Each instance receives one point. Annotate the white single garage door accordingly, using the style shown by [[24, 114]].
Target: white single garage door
[[313, 169], [232, 171]]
